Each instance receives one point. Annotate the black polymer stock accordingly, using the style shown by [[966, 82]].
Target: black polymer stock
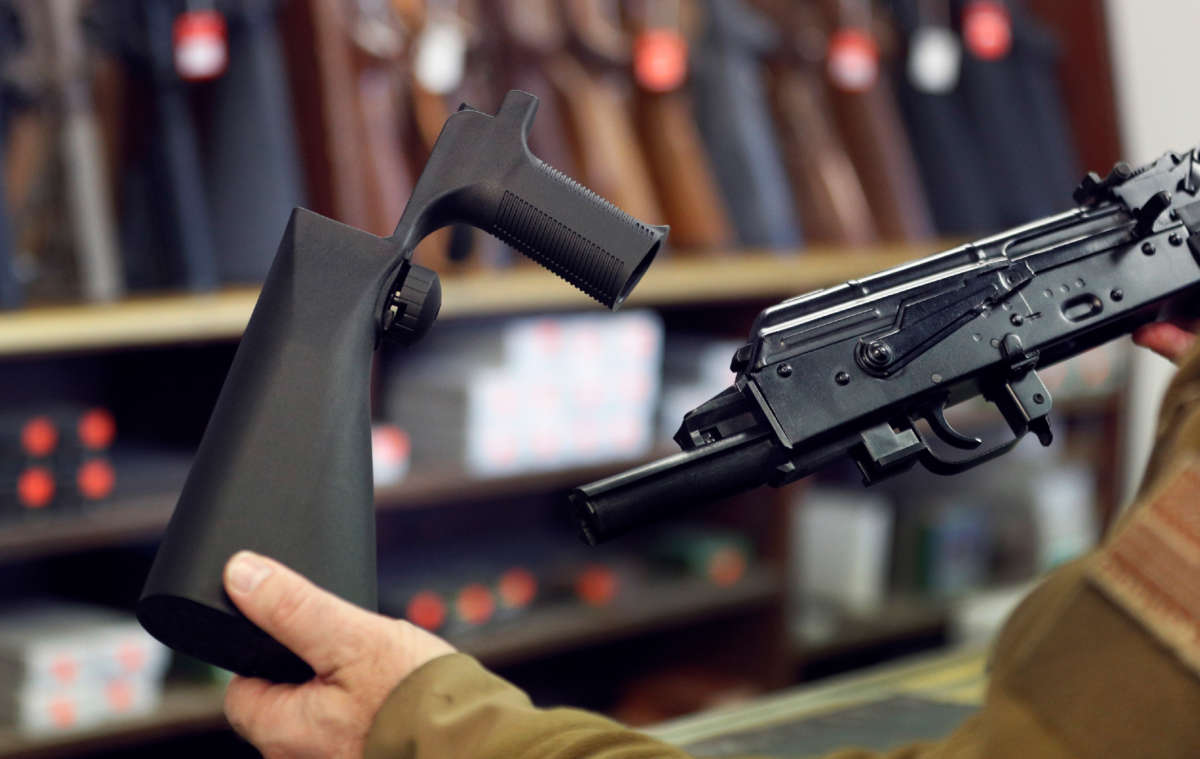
[[850, 370], [284, 467]]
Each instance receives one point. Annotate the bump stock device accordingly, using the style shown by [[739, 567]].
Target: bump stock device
[[284, 467]]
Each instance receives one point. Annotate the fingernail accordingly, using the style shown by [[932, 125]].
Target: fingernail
[[247, 572]]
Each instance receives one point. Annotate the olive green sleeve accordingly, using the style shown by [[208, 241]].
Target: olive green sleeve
[[1073, 677], [453, 708]]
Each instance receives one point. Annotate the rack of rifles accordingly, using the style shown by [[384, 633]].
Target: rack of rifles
[[160, 144]]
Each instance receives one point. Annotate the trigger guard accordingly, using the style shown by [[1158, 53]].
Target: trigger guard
[[930, 459]]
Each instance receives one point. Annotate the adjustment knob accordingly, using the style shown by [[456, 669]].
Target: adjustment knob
[[413, 306], [875, 357], [1149, 213]]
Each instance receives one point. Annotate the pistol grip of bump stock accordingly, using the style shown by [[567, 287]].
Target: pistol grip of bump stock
[[509, 192]]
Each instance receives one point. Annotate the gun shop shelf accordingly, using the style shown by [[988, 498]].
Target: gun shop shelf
[[680, 279], [135, 519], [193, 708], [186, 709]]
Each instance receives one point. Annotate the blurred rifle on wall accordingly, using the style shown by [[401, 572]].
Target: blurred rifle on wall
[[871, 125], [1009, 90], [379, 49], [961, 191], [594, 82], [167, 226], [831, 197], [253, 173], [347, 86], [59, 73], [530, 34], [735, 121], [453, 61], [665, 117]]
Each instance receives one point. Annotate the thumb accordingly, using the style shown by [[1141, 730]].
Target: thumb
[[315, 624]]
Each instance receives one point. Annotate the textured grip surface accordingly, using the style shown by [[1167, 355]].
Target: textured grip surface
[[575, 233]]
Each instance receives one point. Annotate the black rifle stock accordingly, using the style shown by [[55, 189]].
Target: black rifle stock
[[167, 225], [332, 293], [962, 191], [1020, 120], [850, 370], [734, 117], [253, 170], [178, 155]]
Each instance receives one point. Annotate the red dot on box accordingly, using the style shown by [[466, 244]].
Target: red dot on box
[[35, 488], [426, 609], [475, 604], [97, 429], [518, 587], [39, 436], [96, 479]]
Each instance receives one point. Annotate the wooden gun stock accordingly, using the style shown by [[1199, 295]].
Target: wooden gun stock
[[674, 150], [532, 34], [379, 44], [878, 144], [333, 132], [597, 95], [830, 194]]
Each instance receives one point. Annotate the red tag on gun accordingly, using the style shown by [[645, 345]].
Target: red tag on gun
[[660, 60], [201, 45]]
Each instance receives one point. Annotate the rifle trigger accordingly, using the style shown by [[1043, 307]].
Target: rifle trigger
[[947, 433]]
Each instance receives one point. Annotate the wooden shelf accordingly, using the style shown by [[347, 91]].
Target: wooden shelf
[[657, 605], [198, 708], [184, 709], [169, 319], [112, 524], [145, 517]]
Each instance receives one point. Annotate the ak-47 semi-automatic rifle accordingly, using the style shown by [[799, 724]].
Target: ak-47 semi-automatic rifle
[[851, 370]]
